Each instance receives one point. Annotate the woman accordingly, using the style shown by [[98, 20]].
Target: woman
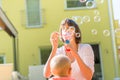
[[81, 55]]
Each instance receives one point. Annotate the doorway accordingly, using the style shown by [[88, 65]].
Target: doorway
[[98, 70]]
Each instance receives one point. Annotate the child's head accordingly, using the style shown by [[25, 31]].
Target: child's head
[[60, 65]]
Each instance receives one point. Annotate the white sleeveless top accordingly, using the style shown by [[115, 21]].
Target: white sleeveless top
[[85, 51]]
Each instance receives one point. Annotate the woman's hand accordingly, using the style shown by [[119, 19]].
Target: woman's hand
[[72, 46], [70, 51], [54, 39]]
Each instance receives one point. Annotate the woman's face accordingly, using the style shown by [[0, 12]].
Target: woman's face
[[68, 32]]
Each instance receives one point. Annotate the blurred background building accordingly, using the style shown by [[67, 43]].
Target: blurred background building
[[30, 23]]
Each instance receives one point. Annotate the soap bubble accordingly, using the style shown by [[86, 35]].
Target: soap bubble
[[86, 19], [97, 19], [77, 35], [106, 33], [90, 4], [94, 31], [75, 18], [81, 22], [96, 12], [79, 19], [71, 29]]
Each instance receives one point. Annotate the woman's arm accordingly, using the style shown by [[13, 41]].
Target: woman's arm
[[86, 71], [47, 70], [54, 42]]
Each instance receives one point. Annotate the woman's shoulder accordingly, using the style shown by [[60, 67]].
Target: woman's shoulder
[[84, 45]]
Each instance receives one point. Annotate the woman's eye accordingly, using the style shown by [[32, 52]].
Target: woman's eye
[[71, 29]]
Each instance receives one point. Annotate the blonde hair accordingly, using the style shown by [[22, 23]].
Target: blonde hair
[[60, 65]]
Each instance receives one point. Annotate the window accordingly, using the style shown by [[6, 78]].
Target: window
[[44, 53], [80, 4], [98, 70], [95, 48], [2, 59], [33, 13]]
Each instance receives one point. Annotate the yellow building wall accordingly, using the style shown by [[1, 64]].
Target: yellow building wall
[[30, 39], [6, 46]]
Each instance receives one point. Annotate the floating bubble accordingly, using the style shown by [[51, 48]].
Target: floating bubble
[[86, 19], [97, 19], [90, 4], [82, 1], [77, 35], [75, 18], [94, 31], [79, 19], [96, 12], [71, 29], [81, 22], [106, 33]]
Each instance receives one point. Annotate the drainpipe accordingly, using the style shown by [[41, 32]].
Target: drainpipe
[[113, 39], [14, 54]]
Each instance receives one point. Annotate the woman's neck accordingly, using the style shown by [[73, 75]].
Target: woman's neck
[[75, 47]]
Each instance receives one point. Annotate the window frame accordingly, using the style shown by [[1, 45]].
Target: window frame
[[78, 8], [4, 59], [40, 17], [47, 52]]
